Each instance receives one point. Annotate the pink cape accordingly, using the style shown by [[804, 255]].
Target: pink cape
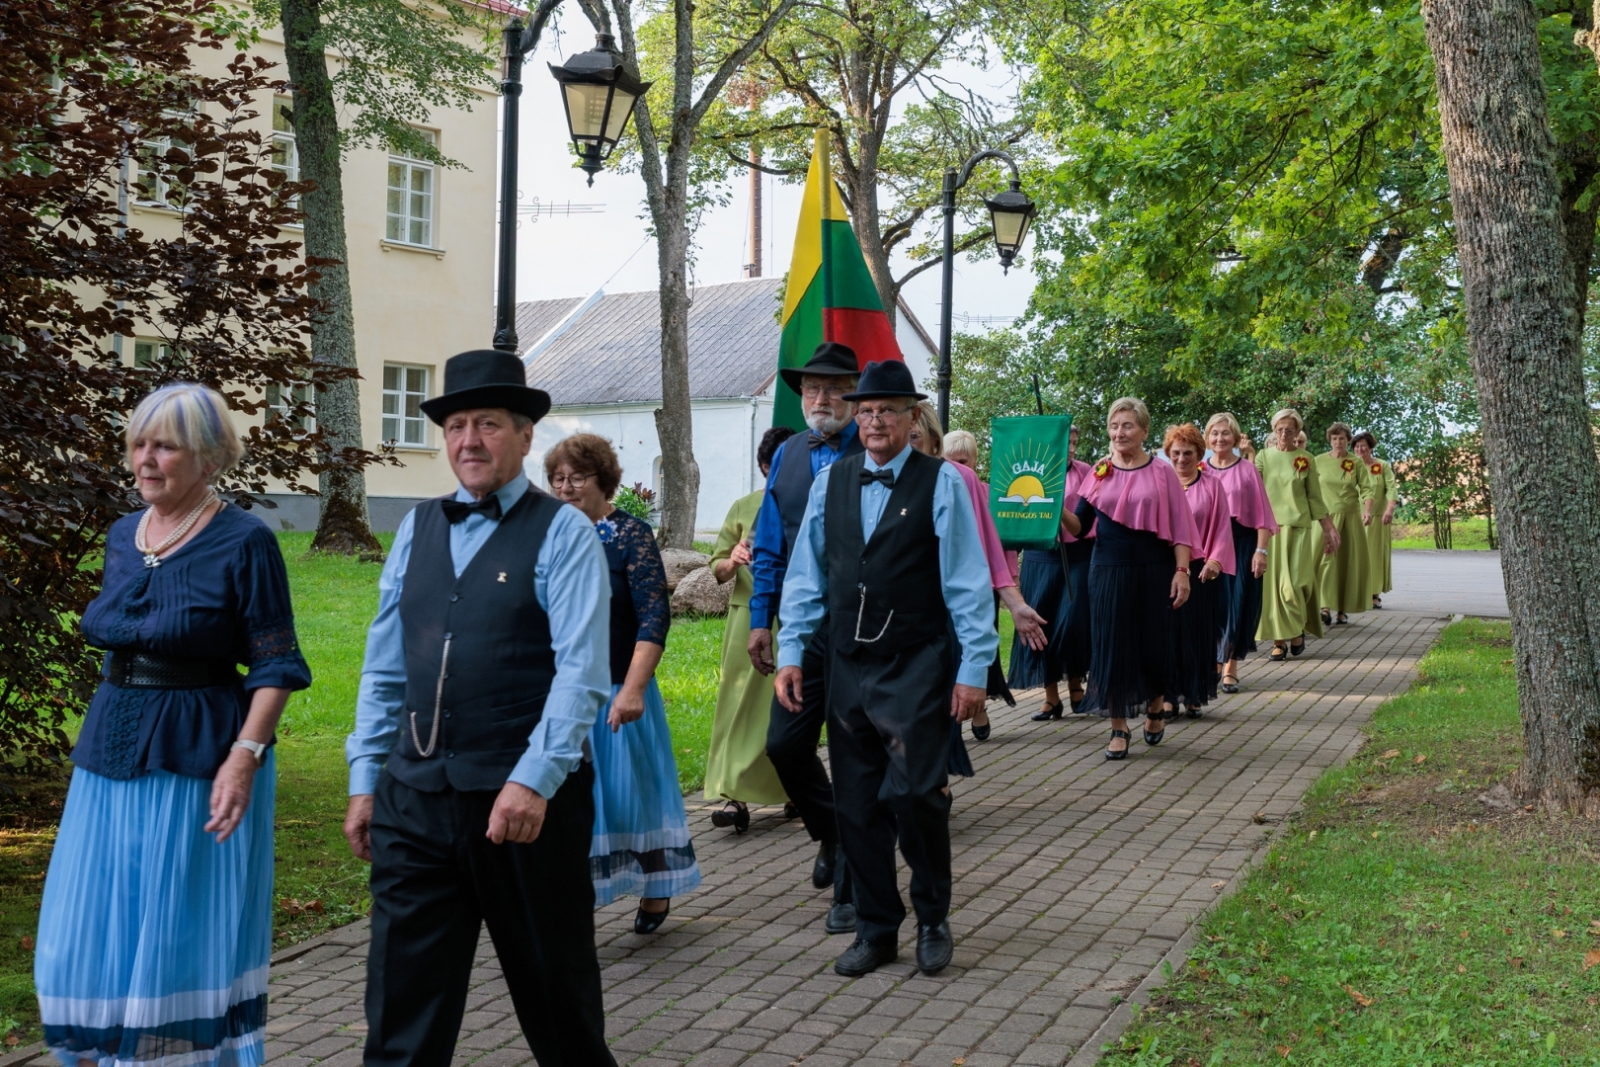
[[1247, 495], [1076, 471], [1208, 503], [1149, 499], [1000, 569]]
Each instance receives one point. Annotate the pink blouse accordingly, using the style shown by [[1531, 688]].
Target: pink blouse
[[1247, 495], [1150, 498], [1213, 525], [1002, 564], [1069, 501]]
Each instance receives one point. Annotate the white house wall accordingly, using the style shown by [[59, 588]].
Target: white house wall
[[726, 435]]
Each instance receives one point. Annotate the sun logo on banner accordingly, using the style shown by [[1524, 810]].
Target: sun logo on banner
[[1026, 471]]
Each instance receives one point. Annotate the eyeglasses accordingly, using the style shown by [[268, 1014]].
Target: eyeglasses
[[869, 418], [576, 481], [812, 390]]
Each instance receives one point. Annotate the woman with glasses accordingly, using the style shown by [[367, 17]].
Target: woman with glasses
[[641, 832]]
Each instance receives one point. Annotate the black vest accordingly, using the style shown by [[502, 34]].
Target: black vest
[[501, 662], [792, 486], [897, 571]]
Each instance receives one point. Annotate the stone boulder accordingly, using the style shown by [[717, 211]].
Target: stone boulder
[[681, 561], [699, 593]]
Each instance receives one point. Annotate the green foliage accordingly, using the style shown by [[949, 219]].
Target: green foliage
[[1400, 921], [637, 500]]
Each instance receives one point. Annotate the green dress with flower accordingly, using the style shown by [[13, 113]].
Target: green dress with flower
[[1380, 537], [1289, 588], [1343, 582]]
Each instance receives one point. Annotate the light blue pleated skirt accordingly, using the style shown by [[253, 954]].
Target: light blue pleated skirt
[[154, 939], [641, 834]]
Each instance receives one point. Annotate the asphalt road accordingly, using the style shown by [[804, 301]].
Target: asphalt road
[[1442, 582]]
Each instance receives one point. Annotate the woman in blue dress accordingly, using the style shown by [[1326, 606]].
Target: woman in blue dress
[[156, 924], [641, 832]]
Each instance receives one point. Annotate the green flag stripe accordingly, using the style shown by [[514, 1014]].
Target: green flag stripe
[[799, 340], [851, 286]]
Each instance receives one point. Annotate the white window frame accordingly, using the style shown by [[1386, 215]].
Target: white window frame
[[403, 222], [399, 429], [283, 141], [278, 407], [156, 349], [161, 192]]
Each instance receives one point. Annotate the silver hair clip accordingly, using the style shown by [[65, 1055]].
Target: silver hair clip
[[861, 610]]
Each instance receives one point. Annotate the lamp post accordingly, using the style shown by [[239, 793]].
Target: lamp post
[[599, 95], [1010, 215]]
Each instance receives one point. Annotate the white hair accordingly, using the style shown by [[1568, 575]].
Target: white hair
[[192, 417]]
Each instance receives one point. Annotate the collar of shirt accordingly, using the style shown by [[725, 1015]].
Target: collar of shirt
[[897, 464], [509, 494]]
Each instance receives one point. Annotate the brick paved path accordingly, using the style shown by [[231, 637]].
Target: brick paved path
[[1075, 877]]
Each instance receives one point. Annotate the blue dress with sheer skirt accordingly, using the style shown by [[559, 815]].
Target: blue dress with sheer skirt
[[641, 831], [153, 937]]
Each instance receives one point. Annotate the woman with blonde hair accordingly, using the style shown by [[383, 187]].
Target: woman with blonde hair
[[1380, 531], [1252, 524], [156, 924], [1343, 585], [1289, 589], [1138, 578]]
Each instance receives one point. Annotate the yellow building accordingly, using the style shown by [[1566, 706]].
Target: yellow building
[[421, 242]]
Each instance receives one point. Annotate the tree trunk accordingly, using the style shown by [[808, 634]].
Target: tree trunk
[[343, 525], [1522, 330], [680, 474]]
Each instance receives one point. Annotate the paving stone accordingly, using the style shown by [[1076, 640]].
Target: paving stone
[[1074, 877]]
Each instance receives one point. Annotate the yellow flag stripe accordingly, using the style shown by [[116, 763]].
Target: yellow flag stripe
[[820, 203]]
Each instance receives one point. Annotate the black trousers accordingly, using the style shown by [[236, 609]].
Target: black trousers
[[889, 741], [792, 747], [436, 879]]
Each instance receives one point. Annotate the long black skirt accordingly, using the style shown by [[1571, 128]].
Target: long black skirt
[[1194, 642], [1240, 596], [1062, 597], [1130, 664]]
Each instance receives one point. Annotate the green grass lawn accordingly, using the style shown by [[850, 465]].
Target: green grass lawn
[[1400, 920], [1471, 532]]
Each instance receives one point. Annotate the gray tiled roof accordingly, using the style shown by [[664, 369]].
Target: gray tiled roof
[[536, 317], [611, 354]]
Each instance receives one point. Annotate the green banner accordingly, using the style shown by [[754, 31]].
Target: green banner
[[1027, 478]]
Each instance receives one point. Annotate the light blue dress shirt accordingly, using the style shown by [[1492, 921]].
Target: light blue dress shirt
[[573, 587], [963, 569]]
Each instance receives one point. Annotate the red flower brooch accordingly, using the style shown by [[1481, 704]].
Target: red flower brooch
[[1348, 465], [1301, 464], [1102, 470], [1377, 468]]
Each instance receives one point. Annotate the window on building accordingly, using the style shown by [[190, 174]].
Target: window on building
[[152, 171], [404, 390], [279, 400], [285, 157], [149, 353], [410, 218]]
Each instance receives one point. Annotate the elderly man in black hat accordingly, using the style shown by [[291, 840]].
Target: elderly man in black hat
[[878, 527], [470, 786], [792, 739]]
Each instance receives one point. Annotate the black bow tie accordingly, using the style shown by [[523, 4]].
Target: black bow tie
[[456, 510], [817, 440], [885, 475]]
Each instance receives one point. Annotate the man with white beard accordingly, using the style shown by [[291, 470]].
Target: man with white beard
[[792, 738]]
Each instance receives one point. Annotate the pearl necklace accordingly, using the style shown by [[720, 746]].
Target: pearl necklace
[[152, 556]]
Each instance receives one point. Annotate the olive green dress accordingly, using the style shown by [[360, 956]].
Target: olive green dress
[[1289, 588], [1343, 582], [1380, 537], [737, 767]]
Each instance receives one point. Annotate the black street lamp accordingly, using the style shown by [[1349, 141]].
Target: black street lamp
[[1010, 215], [599, 95]]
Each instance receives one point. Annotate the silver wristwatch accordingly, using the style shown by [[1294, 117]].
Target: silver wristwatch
[[255, 748]]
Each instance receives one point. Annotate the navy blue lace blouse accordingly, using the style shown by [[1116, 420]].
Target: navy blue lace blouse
[[223, 596], [641, 605]]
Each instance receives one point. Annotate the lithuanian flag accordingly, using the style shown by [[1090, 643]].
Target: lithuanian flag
[[830, 295]]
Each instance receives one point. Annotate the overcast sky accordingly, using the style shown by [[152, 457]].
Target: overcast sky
[[572, 255]]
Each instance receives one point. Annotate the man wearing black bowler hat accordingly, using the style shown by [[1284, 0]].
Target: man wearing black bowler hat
[[792, 738], [470, 785], [878, 526]]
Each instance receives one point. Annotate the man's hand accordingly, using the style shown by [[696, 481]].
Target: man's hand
[[787, 686], [517, 816], [966, 702], [760, 649], [358, 826]]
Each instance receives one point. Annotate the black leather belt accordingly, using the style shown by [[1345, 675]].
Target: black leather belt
[[145, 670]]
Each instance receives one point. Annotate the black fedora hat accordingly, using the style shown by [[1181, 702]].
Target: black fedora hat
[[486, 378], [890, 378], [830, 360]]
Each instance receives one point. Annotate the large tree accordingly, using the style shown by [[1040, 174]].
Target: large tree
[[396, 60], [691, 55], [1519, 262]]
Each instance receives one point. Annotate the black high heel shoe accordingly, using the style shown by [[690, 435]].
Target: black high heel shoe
[[733, 814], [1153, 739], [648, 922], [981, 733], [1112, 753], [1044, 714]]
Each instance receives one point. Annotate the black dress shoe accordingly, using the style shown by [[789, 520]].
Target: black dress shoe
[[648, 922], [841, 919], [934, 948], [827, 860], [980, 733], [863, 957], [1046, 713]]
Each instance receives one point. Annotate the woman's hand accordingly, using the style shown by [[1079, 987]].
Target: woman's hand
[[1212, 568], [1258, 565], [230, 793], [1388, 515], [1180, 589], [1028, 624], [627, 706], [741, 555]]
